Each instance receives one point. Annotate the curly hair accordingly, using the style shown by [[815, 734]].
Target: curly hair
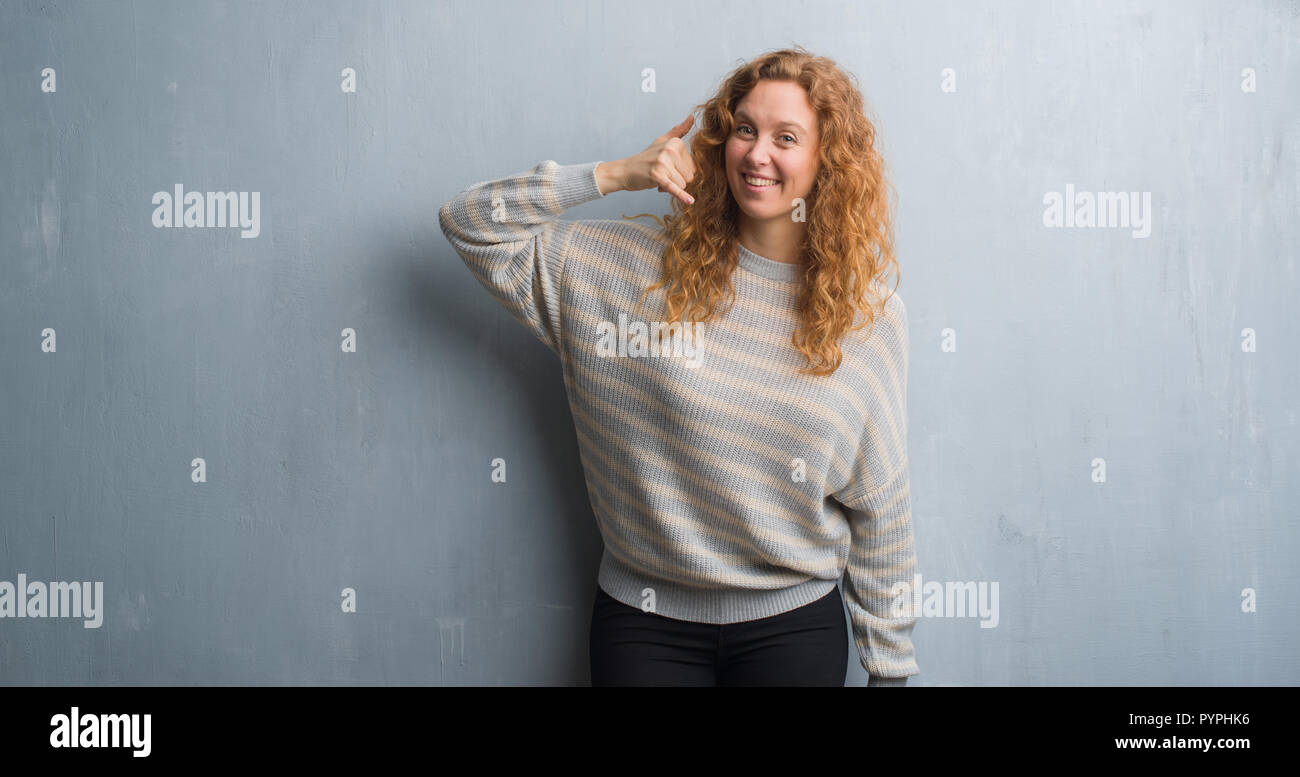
[[848, 243]]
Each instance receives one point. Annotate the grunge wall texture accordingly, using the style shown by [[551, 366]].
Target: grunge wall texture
[[1101, 423]]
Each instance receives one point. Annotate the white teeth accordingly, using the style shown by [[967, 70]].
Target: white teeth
[[758, 181]]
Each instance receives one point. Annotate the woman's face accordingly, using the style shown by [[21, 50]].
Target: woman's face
[[774, 138]]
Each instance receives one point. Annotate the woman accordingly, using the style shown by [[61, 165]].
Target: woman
[[739, 461]]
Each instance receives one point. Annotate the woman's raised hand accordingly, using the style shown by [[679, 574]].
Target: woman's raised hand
[[666, 164]]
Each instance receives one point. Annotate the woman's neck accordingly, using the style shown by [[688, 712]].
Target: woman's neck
[[778, 239]]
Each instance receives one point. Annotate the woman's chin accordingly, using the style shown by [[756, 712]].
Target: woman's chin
[[754, 215]]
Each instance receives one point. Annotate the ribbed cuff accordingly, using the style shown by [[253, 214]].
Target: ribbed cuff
[[576, 184]]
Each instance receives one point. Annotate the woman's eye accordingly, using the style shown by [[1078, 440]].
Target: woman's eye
[[787, 135]]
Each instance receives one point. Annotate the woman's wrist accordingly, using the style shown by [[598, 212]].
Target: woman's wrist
[[609, 177]]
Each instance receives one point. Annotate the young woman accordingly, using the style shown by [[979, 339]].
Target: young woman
[[740, 458]]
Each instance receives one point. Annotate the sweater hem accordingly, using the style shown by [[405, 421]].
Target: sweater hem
[[704, 605]]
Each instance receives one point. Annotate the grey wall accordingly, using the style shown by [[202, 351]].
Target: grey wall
[[370, 470]]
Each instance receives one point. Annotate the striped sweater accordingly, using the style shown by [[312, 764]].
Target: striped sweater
[[726, 485]]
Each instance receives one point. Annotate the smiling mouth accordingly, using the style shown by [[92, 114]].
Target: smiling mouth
[[759, 182]]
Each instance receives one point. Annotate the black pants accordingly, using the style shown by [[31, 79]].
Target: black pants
[[805, 646]]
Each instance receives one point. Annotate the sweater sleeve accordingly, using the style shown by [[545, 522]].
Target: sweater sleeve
[[509, 234], [882, 559], [878, 582]]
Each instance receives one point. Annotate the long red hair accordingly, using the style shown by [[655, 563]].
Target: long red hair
[[848, 243]]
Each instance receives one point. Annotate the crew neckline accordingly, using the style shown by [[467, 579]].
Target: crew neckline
[[769, 268]]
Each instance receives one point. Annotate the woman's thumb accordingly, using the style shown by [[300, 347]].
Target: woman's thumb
[[679, 131], [685, 126]]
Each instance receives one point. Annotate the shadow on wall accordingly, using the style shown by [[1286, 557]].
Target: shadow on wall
[[466, 329]]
